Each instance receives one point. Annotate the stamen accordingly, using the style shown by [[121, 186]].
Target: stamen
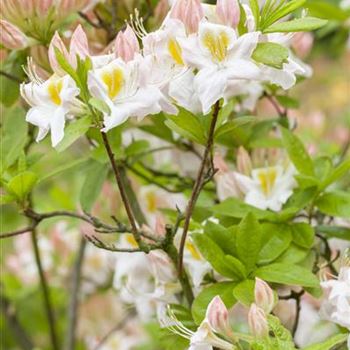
[[136, 23]]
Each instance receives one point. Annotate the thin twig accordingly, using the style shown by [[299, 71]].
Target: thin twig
[[198, 185], [19, 333], [46, 293], [74, 294], [122, 191], [16, 233]]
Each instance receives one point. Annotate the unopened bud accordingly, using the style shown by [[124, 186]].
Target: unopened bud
[[228, 12], [244, 164], [11, 37], [220, 164], [217, 316], [257, 322], [57, 43], [126, 44], [264, 296], [79, 44], [189, 12]]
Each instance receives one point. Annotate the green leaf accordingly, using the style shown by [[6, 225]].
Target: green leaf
[[276, 239], [254, 5], [244, 292], [100, 105], [303, 235], [326, 10], [271, 54], [232, 125], [14, 135], [304, 24], [335, 231], [222, 236], [234, 207], [297, 153], [187, 125], [248, 241], [158, 128], [288, 102], [95, 177], [288, 274], [336, 203], [232, 267], [329, 343], [200, 304], [275, 14], [22, 184], [293, 255], [337, 173], [73, 131]]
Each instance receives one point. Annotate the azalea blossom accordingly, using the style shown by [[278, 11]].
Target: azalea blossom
[[206, 336], [265, 187], [52, 102], [168, 69], [124, 88], [220, 56]]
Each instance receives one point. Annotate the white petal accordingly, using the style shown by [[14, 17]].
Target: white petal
[[244, 46], [210, 84], [57, 123], [243, 69]]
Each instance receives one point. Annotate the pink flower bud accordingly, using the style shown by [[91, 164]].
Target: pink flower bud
[[264, 296], [220, 164], [12, 37], [244, 164], [189, 12], [257, 322], [217, 316], [126, 44], [57, 42], [79, 44], [302, 43], [228, 12]]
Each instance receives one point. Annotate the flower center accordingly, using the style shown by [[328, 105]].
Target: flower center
[[54, 90], [193, 250], [217, 44], [114, 80], [175, 51], [267, 178]]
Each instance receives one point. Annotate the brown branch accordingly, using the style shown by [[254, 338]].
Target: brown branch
[[20, 335], [74, 293], [46, 293], [200, 181], [123, 194], [18, 232]]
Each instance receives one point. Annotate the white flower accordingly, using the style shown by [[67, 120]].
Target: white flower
[[168, 69], [52, 102], [336, 307], [267, 188], [205, 337], [125, 89], [196, 265], [220, 57]]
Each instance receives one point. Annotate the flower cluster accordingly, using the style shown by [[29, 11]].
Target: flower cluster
[[198, 56]]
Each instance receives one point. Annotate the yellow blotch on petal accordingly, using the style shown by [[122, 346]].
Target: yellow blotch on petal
[[114, 79], [267, 178], [131, 240], [54, 89], [193, 251], [151, 201], [217, 44], [175, 51]]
